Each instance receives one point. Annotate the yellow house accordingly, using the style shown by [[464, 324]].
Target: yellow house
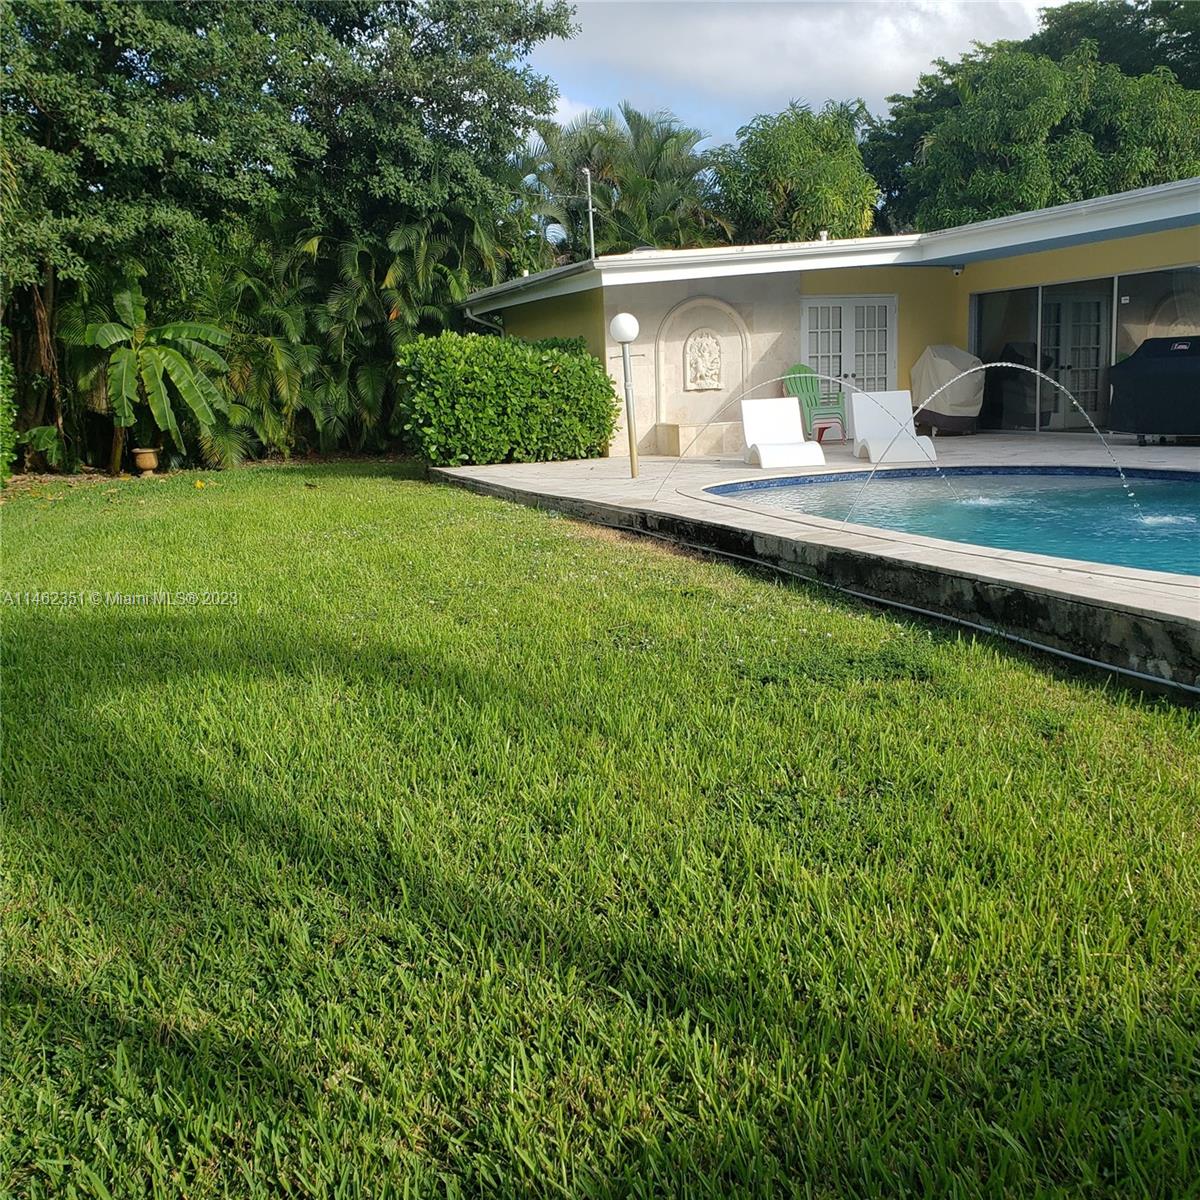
[[1073, 289]]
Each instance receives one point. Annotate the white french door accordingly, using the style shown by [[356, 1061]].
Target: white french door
[[850, 339], [1075, 337]]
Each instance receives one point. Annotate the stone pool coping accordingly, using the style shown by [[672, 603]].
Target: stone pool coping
[[1145, 623]]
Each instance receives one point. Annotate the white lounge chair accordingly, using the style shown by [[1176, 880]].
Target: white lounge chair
[[883, 429], [775, 434]]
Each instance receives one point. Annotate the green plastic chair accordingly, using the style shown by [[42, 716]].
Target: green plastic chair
[[820, 412]]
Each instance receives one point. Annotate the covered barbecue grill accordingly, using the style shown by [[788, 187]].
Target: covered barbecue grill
[[939, 371], [1156, 390]]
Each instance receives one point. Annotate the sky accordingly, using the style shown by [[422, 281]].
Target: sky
[[716, 65]]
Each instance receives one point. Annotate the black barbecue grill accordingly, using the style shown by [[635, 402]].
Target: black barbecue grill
[[1156, 390]]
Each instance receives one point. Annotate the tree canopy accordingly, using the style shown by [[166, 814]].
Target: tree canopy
[[795, 173], [1029, 133], [146, 124], [132, 125], [1101, 99], [160, 134], [1136, 36]]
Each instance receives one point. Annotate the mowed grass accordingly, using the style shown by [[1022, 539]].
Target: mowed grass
[[476, 852]]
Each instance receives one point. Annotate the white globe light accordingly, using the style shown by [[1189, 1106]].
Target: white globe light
[[624, 328]]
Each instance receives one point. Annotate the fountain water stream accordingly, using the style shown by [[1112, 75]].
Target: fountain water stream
[[983, 367], [902, 429]]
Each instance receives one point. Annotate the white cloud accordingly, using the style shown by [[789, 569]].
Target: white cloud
[[717, 64], [567, 109]]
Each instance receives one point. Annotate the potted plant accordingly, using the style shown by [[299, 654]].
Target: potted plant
[[149, 365], [147, 442], [145, 458]]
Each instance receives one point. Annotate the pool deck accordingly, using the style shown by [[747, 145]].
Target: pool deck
[[1146, 623]]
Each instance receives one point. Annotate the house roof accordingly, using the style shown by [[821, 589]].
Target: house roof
[[1167, 206]]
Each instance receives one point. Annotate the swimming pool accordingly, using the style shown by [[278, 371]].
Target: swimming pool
[[1069, 512]]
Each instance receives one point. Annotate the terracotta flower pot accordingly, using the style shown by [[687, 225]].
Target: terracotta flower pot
[[146, 460]]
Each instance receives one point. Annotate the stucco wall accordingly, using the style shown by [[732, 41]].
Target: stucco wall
[[758, 322], [578, 315], [1146, 252]]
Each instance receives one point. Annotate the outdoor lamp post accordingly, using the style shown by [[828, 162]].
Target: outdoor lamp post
[[624, 329]]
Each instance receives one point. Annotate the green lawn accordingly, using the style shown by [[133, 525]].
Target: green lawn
[[477, 852]]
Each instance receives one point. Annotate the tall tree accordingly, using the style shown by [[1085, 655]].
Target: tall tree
[[1134, 35], [1029, 133], [651, 185], [795, 173], [150, 127], [429, 102], [894, 146], [136, 127], [1137, 37]]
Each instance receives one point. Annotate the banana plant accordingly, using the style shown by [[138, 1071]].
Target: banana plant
[[147, 364]]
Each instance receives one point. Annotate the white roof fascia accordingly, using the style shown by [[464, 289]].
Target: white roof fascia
[[659, 266], [546, 285], [1166, 206]]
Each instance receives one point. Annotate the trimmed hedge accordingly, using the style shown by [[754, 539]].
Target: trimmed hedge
[[473, 398], [572, 345]]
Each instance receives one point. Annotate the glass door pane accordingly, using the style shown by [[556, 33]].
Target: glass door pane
[[824, 349], [1156, 304], [1006, 331], [871, 346], [1077, 345]]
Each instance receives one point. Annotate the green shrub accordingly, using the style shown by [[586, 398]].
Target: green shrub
[[8, 413], [572, 345], [479, 399]]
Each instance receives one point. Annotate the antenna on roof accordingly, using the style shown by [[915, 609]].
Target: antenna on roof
[[591, 214]]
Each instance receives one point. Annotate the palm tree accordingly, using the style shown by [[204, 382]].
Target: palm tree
[[438, 260], [522, 219], [553, 170], [147, 364], [264, 302], [387, 292], [651, 185], [359, 335]]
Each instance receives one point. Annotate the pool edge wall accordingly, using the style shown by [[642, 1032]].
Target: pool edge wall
[[1160, 646]]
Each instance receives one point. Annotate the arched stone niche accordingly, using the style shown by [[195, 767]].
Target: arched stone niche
[[701, 360]]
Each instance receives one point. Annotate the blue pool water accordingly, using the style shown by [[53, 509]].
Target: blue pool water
[[1067, 512]]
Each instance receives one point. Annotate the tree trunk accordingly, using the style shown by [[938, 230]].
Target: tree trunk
[[47, 351], [118, 450], [31, 400]]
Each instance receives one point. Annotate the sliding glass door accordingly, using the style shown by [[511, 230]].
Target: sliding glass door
[[1006, 331], [1156, 304], [1073, 332]]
